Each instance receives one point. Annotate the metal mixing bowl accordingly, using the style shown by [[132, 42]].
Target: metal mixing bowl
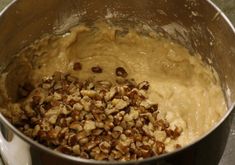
[[197, 24]]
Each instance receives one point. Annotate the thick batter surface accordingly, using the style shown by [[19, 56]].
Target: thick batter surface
[[187, 91]]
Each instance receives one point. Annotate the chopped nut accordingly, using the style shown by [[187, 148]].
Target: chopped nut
[[100, 117], [108, 125], [77, 106], [57, 86], [64, 149], [57, 96], [120, 71], [105, 147], [52, 115], [28, 110], [90, 86], [134, 113], [159, 135], [97, 69], [123, 137], [83, 141], [139, 123], [89, 93], [72, 140], [120, 104], [101, 156], [58, 76], [122, 147], [99, 124], [77, 66], [103, 85], [64, 110], [95, 151], [52, 119], [89, 116], [75, 97], [123, 124], [82, 134], [111, 111], [91, 145], [76, 126], [159, 148], [173, 134], [86, 102], [163, 125], [46, 86], [100, 104], [109, 95], [71, 78], [177, 146], [84, 155], [143, 85], [128, 132], [76, 149], [145, 151], [97, 120], [118, 129], [36, 101], [36, 130], [153, 108], [89, 126], [46, 105], [116, 155], [148, 129], [146, 104], [149, 117], [97, 132]]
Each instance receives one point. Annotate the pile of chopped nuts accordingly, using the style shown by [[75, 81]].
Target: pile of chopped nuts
[[96, 119]]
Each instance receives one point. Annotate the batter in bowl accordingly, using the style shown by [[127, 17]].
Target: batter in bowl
[[187, 91]]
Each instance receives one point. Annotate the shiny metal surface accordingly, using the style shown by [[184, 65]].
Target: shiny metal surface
[[205, 30]]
